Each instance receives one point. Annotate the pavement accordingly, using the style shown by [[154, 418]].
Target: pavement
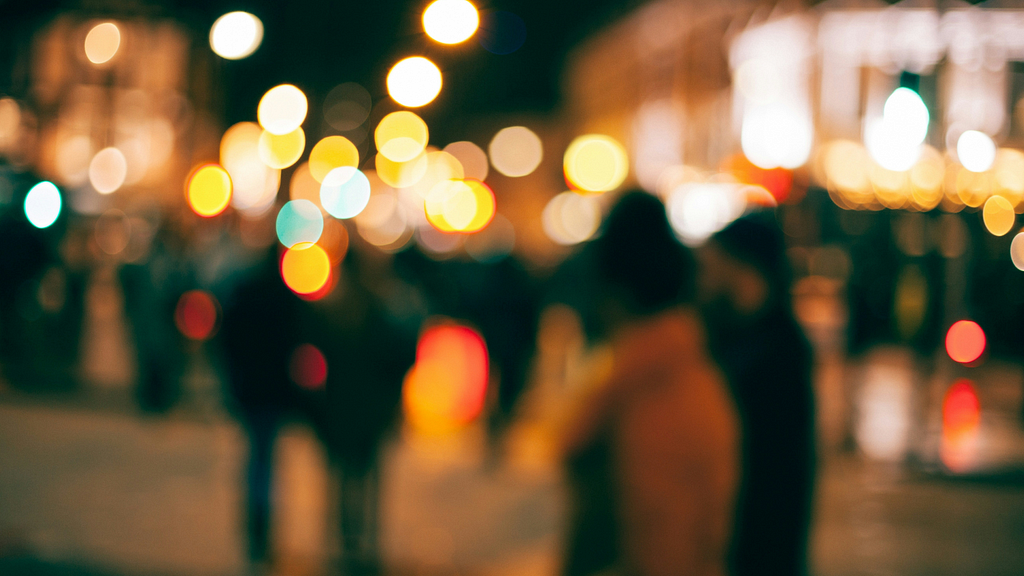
[[91, 492]]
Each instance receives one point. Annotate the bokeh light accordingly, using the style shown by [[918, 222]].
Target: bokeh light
[[401, 174], [280, 151], [446, 388], [197, 314], [776, 136], [1017, 251], [107, 170], [305, 268], [282, 109], [414, 82], [965, 341], [208, 190], [401, 136], [698, 210], [334, 240], [383, 222], [102, 42], [298, 222], [347, 106], [254, 184], [570, 218], [236, 35], [42, 204], [485, 206], [345, 192], [302, 185], [450, 21], [472, 157], [998, 215], [905, 112], [501, 32], [976, 151], [440, 166], [595, 163], [330, 153], [308, 367], [515, 151]]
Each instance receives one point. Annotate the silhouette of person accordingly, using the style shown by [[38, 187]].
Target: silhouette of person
[[767, 360], [663, 421], [258, 335]]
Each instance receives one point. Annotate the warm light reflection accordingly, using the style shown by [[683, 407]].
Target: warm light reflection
[[302, 185], [345, 192], [107, 170], [1017, 251], [334, 240], [450, 21], [42, 204], [515, 151], [299, 221], [595, 163], [998, 215], [236, 35], [961, 422], [895, 139], [330, 153], [209, 190], [472, 158], [401, 136], [305, 268], [196, 315], [414, 82], [280, 151], [308, 367], [446, 388], [282, 109], [102, 42], [254, 184], [975, 151], [965, 341]]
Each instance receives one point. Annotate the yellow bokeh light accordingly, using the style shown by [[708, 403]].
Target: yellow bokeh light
[[515, 151], [236, 35], [440, 166], [472, 157], [282, 109], [846, 166], [102, 42], [209, 190], [485, 206], [401, 174], [570, 218], [998, 215], [401, 136], [450, 21], [281, 151], [330, 153], [306, 268], [254, 184], [414, 82], [595, 163]]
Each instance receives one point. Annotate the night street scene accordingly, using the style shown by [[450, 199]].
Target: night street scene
[[511, 288]]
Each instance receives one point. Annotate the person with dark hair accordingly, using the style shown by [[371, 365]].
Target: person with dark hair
[[767, 361], [664, 415]]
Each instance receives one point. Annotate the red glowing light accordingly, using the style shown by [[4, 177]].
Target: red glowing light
[[961, 421], [447, 386], [777, 181], [308, 367], [196, 314], [965, 341]]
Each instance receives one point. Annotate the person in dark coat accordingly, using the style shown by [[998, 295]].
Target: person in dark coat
[[767, 360], [258, 336]]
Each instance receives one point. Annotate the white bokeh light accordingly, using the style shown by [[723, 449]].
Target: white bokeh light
[[976, 151], [236, 35]]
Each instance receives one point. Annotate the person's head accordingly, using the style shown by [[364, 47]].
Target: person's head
[[745, 266], [642, 266]]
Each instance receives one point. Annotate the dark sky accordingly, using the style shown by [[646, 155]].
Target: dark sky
[[317, 44]]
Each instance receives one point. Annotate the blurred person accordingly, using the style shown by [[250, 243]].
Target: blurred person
[[368, 351], [258, 336], [767, 361], [663, 422]]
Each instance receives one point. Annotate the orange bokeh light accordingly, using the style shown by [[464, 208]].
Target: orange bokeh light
[[305, 268], [961, 422], [446, 388], [196, 315], [965, 341]]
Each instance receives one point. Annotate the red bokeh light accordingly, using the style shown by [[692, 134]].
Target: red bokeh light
[[777, 181], [961, 423], [196, 315], [965, 341], [308, 367], [447, 386]]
